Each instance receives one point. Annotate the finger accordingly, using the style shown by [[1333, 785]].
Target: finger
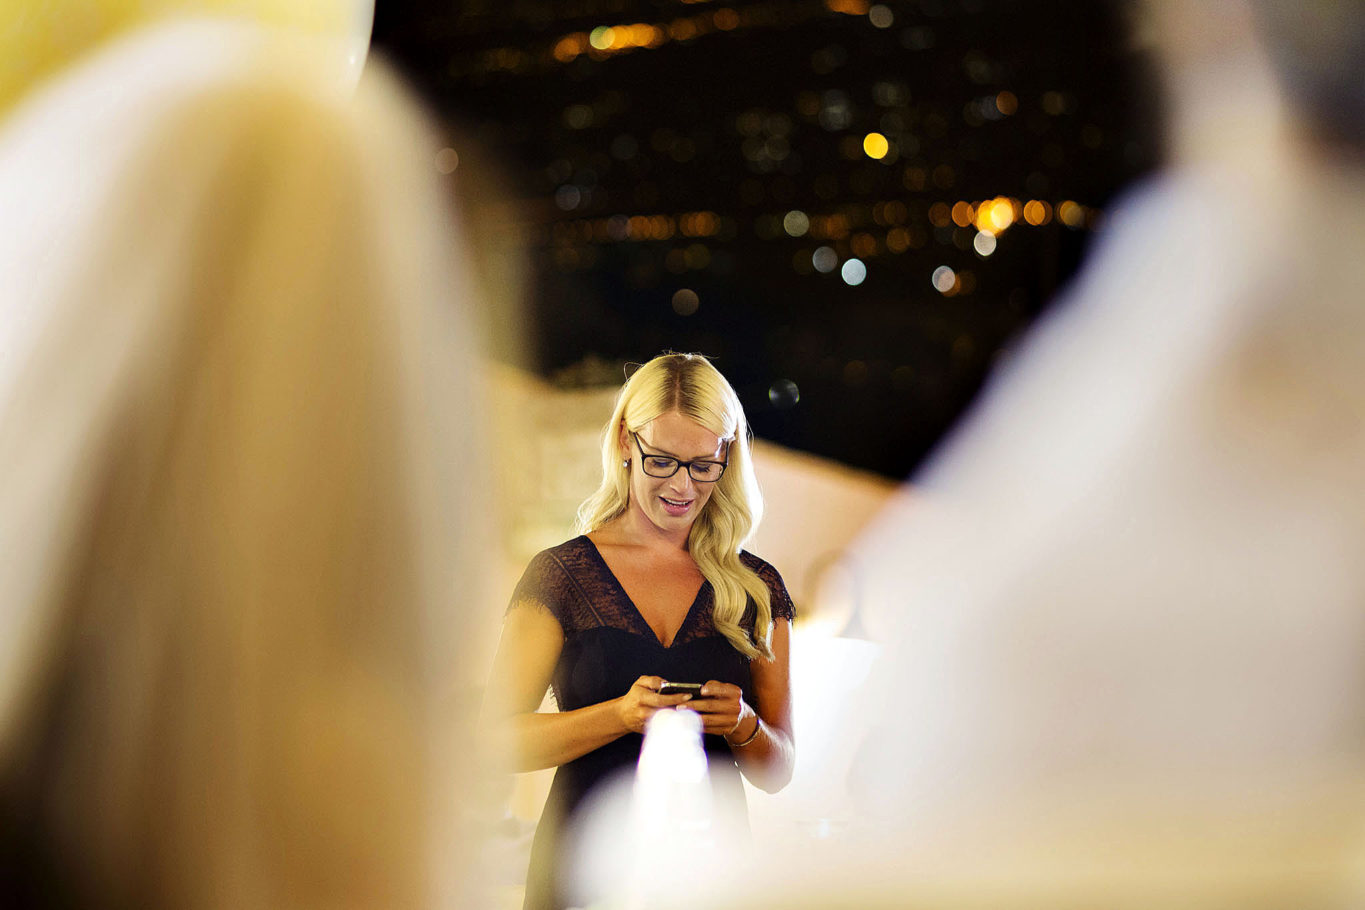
[[664, 701], [717, 689], [652, 683]]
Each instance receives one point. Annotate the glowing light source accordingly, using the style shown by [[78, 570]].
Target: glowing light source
[[984, 243], [880, 16], [995, 215], [824, 259], [945, 280], [1006, 103], [796, 224], [1071, 214], [963, 214], [1037, 212], [876, 146], [853, 272], [602, 37], [685, 301]]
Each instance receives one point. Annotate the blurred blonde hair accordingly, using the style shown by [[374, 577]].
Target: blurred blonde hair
[[230, 432], [40, 38], [690, 385]]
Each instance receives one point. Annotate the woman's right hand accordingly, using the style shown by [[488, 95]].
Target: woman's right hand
[[638, 705]]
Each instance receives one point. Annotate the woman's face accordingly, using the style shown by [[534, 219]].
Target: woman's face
[[671, 503]]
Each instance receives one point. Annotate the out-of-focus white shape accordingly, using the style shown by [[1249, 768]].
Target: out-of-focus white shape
[[643, 842], [944, 279], [188, 190], [984, 243], [881, 16], [853, 272], [796, 223]]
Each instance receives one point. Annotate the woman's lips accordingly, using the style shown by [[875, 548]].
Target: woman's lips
[[676, 506]]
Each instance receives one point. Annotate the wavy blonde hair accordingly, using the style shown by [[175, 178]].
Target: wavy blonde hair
[[690, 385]]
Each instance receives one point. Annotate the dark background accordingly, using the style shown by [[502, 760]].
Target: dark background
[[643, 171]]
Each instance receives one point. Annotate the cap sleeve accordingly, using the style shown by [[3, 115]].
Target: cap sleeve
[[782, 606], [552, 583]]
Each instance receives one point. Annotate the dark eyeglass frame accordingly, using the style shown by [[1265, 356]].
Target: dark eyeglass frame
[[679, 463]]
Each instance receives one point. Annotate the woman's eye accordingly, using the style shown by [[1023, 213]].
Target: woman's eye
[[705, 469], [661, 463]]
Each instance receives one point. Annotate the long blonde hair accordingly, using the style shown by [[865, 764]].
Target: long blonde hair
[[690, 385]]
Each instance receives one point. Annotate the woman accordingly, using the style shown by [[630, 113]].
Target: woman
[[656, 588]]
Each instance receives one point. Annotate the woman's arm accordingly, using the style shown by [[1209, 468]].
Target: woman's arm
[[527, 653], [768, 758], [760, 737]]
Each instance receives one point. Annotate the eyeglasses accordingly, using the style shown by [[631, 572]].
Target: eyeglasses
[[666, 466]]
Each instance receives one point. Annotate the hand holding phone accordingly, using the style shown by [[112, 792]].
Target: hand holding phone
[[681, 688]]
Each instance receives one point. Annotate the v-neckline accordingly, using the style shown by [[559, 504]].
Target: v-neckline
[[621, 590]]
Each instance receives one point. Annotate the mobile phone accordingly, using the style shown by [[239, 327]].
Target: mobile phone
[[679, 688]]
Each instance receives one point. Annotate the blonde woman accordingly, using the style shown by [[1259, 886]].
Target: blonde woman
[[656, 588]]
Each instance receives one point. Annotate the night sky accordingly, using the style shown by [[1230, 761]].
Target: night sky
[[853, 208]]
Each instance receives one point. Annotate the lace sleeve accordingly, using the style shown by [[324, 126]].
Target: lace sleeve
[[535, 590], [781, 601], [552, 582]]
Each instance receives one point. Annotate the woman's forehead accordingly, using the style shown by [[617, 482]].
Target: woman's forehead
[[679, 435]]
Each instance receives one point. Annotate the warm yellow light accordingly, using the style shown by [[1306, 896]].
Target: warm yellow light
[[995, 215], [876, 146], [602, 37], [963, 214], [1037, 212], [1006, 103], [1071, 214]]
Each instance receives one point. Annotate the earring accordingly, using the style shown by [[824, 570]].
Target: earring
[[625, 463]]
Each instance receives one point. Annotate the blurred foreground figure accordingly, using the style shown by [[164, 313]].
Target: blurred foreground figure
[[1127, 649], [235, 395]]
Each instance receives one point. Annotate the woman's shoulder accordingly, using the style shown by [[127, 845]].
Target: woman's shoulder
[[571, 547], [759, 565], [768, 574]]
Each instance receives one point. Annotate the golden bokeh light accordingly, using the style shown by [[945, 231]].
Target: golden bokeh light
[[1037, 212], [876, 146]]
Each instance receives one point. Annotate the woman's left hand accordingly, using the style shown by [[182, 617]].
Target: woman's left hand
[[722, 708]]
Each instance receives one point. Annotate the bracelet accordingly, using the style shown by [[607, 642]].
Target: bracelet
[[758, 725]]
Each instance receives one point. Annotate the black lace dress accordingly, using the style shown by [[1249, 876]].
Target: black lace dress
[[607, 646]]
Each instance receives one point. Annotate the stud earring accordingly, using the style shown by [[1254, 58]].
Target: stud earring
[[625, 463]]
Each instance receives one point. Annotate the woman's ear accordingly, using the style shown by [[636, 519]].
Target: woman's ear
[[623, 440]]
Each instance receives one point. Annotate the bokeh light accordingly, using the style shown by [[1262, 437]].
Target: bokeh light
[[876, 146], [447, 160], [824, 259], [854, 272], [685, 301], [944, 280]]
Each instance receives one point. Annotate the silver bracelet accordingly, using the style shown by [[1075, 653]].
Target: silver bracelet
[[758, 725]]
